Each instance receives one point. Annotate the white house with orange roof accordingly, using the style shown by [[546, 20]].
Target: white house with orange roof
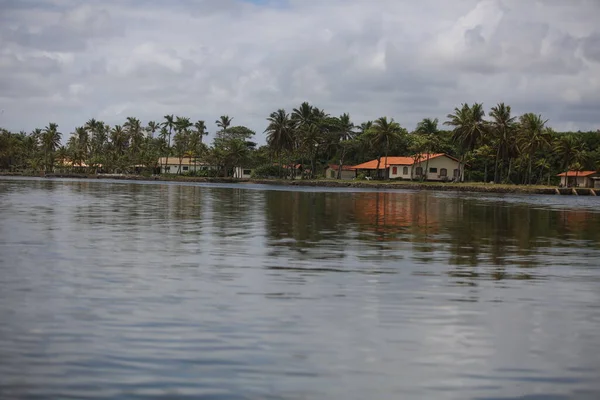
[[584, 179], [432, 167]]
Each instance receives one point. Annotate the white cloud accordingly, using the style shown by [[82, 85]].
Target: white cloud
[[71, 60]]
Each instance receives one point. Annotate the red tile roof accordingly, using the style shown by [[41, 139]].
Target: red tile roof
[[385, 163], [578, 173]]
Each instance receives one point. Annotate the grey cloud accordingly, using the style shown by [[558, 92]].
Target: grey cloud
[[72, 60]]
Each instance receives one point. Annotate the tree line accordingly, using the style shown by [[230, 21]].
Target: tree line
[[496, 146]]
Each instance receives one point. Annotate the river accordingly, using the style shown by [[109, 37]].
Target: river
[[145, 290]]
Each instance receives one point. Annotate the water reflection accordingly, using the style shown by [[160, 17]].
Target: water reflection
[[129, 290]]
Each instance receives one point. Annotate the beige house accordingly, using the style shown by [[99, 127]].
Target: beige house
[[584, 179], [348, 172], [171, 165], [432, 167]]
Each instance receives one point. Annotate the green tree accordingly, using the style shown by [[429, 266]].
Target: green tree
[[502, 129], [533, 137], [469, 128], [383, 134], [428, 130], [278, 133], [50, 141]]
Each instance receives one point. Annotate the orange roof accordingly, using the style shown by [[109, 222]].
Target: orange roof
[[578, 173], [385, 163]]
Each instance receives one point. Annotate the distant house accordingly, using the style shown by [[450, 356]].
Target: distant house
[[348, 173], [435, 167], [242, 173], [170, 165], [583, 179]]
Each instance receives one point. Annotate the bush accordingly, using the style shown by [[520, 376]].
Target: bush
[[266, 171], [361, 176], [204, 173]]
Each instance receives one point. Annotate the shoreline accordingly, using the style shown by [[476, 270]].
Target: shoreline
[[408, 185]]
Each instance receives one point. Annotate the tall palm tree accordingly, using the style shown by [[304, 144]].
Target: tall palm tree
[[224, 122], [169, 124], [201, 129], [533, 136], [182, 126], [384, 133], [502, 129], [82, 144], [50, 141], [345, 132], [152, 127], [133, 126], [469, 128], [566, 147], [428, 130], [279, 133]]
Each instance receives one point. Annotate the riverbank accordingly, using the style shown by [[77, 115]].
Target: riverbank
[[408, 185]]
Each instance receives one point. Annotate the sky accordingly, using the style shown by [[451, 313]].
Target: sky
[[67, 61]]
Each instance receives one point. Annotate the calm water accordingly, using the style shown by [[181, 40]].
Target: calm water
[[145, 291]]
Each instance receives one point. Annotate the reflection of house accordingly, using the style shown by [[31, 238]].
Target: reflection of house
[[440, 167], [173, 164], [331, 171], [578, 178], [242, 173]]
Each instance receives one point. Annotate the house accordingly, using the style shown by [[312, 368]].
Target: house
[[435, 167], [578, 178], [242, 173], [348, 172], [171, 165]]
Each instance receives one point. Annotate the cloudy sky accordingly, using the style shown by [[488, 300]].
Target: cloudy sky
[[70, 60]]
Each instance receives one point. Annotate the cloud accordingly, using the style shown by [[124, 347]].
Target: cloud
[[71, 60]]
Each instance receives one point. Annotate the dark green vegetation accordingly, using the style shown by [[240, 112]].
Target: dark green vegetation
[[497, 146]]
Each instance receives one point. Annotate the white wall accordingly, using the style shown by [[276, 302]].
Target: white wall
[[242, 173], [438, 163]]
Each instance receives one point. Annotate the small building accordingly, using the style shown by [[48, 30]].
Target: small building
[[348, 172], [173, 165], [431, 167], [584, 179], [242, 173]]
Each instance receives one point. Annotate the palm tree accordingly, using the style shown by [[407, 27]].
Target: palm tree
[[201, 129], [224, 122], [50, 141], [169, 124], [428, 129], [82, 144], [152, 127], [182, 125], [565, 147], [133, 126], [502, 129], [533, 136], [384, 133], [345, 133], [279, 133], [469, 128]]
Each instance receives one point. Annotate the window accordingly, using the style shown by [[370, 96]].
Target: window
[[405, 171], [247, 172], [433, 170], [443, 172], [456, 173], [185, 168], [419, 171], [395, 171]]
